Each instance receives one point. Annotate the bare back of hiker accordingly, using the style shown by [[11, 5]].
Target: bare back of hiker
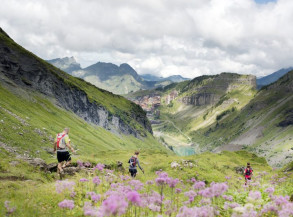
[[62, 144], [248, 173], [133, 163]]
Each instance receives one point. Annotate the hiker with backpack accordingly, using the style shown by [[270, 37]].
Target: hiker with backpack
[[248, 173], [133, 162], [62, 144]]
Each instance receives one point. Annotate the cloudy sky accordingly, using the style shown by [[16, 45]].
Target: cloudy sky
[[162, 37]]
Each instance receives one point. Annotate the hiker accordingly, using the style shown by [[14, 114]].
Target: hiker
[[248, 173], [133, 161], [62, 143]]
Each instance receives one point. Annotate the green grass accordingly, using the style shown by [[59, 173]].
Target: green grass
[[42, 115]]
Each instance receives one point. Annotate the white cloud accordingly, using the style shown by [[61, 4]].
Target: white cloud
[[162, 37]]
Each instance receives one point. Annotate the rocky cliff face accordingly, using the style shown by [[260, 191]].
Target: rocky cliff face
[[214, 87], [201, 99], [28, 71]]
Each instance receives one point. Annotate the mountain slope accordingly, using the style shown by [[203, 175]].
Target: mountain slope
[[272, 77], [38, 100], [265, 125], [92, 104]]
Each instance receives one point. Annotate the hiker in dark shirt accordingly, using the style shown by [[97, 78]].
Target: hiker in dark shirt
[[133, 162]]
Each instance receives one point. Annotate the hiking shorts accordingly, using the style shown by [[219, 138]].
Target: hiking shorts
[[63, 156], [247, 177], [133, 172]]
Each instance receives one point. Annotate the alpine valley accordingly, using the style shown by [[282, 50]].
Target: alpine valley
[[224, 112], [220, 121]]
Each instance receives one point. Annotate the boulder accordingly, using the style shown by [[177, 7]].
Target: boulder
[[174, 164]]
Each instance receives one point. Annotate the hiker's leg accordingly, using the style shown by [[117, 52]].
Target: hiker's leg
[[59, 167], [67, 159], [67, 164]]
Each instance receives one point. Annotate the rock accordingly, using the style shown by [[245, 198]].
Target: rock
[[119, 164], [2, 121], [37, 162], [52, 167], [174, 164], [239, 170], [20, 133], [50, 150], [14, 163], [71, 170]]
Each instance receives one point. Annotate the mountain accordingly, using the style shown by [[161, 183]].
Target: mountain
[[38, 100], [224, 112], [67, 64], [272, 77], [121, 79], [173, 78]]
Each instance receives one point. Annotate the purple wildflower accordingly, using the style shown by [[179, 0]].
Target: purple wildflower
[[255, 195], [287, 210], [227, 197], [99, 167], [204, 211], [270, 190], [94, 197], [83, 180], [64, 185], [66, 204], [178, 190], [72, 194], [9, 209], [280, 200], [134, 197], [199, 185], [96, 180], [114, 205], [79, 163], [89, 210], [172, 182], [191, 195], [150, 182]]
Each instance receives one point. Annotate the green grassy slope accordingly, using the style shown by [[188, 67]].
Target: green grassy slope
[[29, 119], [257, 127], [116, 105]]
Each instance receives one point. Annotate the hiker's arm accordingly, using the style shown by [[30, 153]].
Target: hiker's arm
[[67, 140], [139, 165], [69, 146]]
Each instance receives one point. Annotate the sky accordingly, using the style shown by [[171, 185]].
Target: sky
[[160, 37]]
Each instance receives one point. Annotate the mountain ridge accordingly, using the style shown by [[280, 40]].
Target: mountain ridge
[[119, 79]]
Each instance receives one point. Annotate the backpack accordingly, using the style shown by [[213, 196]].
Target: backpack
[[60, 141], [132, 161], [248, 172]]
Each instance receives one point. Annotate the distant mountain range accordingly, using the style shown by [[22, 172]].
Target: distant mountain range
[[271, 78], [173, 78], [121, 79]]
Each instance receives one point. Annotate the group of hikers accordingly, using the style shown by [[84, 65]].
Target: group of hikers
[[62, 144]]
